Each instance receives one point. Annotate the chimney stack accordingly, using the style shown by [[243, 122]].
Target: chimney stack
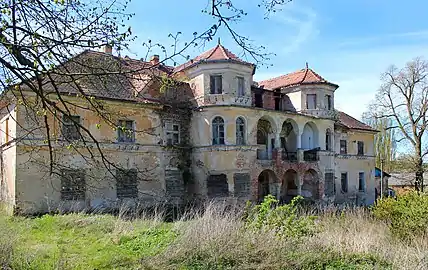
[[107, 49], [154, 60]]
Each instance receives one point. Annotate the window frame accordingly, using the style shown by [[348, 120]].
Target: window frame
[[329, 105], [244, 131], [120, 131], [360, 144], [328, 140], [217, 129], [214, 79], [172, 132], [315, 101], [240, 91], [345, 148], [361, 182], [68, 124], [344, 188]]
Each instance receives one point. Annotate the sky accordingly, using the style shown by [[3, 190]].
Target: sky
[[348, 42]]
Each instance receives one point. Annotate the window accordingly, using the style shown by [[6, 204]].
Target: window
[[215, 84], [258, 102], [218, 130], [328, 102], [172, 133], [73, 185], [329, 184], [361, 182], [70, 128], [311, 101], [7, 130], [344, 182], [126, 183], [241, 86], [217, 186], [125, 131], [328, 140], [343, 147], [240, 131], [360, 146]]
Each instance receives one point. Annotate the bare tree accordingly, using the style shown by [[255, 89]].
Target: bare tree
[[403, 98]]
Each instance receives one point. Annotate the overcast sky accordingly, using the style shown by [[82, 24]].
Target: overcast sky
[[348, 42]]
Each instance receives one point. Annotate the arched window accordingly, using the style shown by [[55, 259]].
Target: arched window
[[218, 130], [328, 140], [240, 131]]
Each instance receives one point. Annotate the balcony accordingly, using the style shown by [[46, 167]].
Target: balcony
[[289, 156], [311, 155]]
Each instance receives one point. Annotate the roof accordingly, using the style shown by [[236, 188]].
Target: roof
[[218, 53], [377, 173], [404, 179], [300, 77], [352, 123]]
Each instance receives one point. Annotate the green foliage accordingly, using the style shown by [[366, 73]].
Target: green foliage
[[407, 215], [283, 220]]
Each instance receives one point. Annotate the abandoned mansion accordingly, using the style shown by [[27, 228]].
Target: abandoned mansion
[[163, 134]]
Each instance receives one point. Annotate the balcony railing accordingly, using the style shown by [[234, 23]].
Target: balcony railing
[[289, 156], [263, 154], [311, 155]]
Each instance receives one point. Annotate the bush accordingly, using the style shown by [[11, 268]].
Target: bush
[[407, 215], [283, 220]]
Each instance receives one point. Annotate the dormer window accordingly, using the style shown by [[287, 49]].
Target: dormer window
[[328, 102], [311, 101], [241, 89], [216, 84]]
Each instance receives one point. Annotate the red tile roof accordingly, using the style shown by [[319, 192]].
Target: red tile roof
[[352, 123], [217, 53], [303, 76]]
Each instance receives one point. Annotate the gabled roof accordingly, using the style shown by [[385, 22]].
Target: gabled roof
[[300, 77], [218, 53], [352, 123]]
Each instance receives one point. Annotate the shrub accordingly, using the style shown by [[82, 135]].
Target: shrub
[[283, 220], [407, 215]]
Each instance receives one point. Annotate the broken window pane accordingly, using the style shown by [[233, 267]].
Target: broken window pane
[[126, 131], [172, 133], [70, 127], [218, 130], [240, 131]]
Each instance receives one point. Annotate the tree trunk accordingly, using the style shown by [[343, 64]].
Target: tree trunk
[[419, 170]]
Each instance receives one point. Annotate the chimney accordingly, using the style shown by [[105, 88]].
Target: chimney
[[107, 49], [154, 60]]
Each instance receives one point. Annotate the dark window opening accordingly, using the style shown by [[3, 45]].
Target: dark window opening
[[361, 182], [73, 186], [344, 182], [278, 101], [360, 148], [329, 102], [217, 186], [126, 183], [218, 130], [258, 102], [216, 84], [343, 147]]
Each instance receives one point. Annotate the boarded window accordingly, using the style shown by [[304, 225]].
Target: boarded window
[[241, 86], [70, 127], [125, 129], [329, 184], [216, 84], [73, 186], [311, 101], [242, 184], [218, 130], [360, 148], [126, 183], [344, 182], [240, 131], [172, 133], [217, 186], [361, 182], [343, 147]]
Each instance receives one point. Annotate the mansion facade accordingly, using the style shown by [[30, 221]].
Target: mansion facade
[[214, 133]]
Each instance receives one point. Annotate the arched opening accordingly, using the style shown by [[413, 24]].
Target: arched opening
[[266, 184], [310, 136], [310, 185], [290, 184], [328, 140], [265, 136], [218, 130], [288, 137]]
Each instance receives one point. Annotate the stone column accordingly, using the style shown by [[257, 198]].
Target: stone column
[[299, 184], [277, 140]]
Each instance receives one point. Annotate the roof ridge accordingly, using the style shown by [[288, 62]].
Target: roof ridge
[[223, 50]]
